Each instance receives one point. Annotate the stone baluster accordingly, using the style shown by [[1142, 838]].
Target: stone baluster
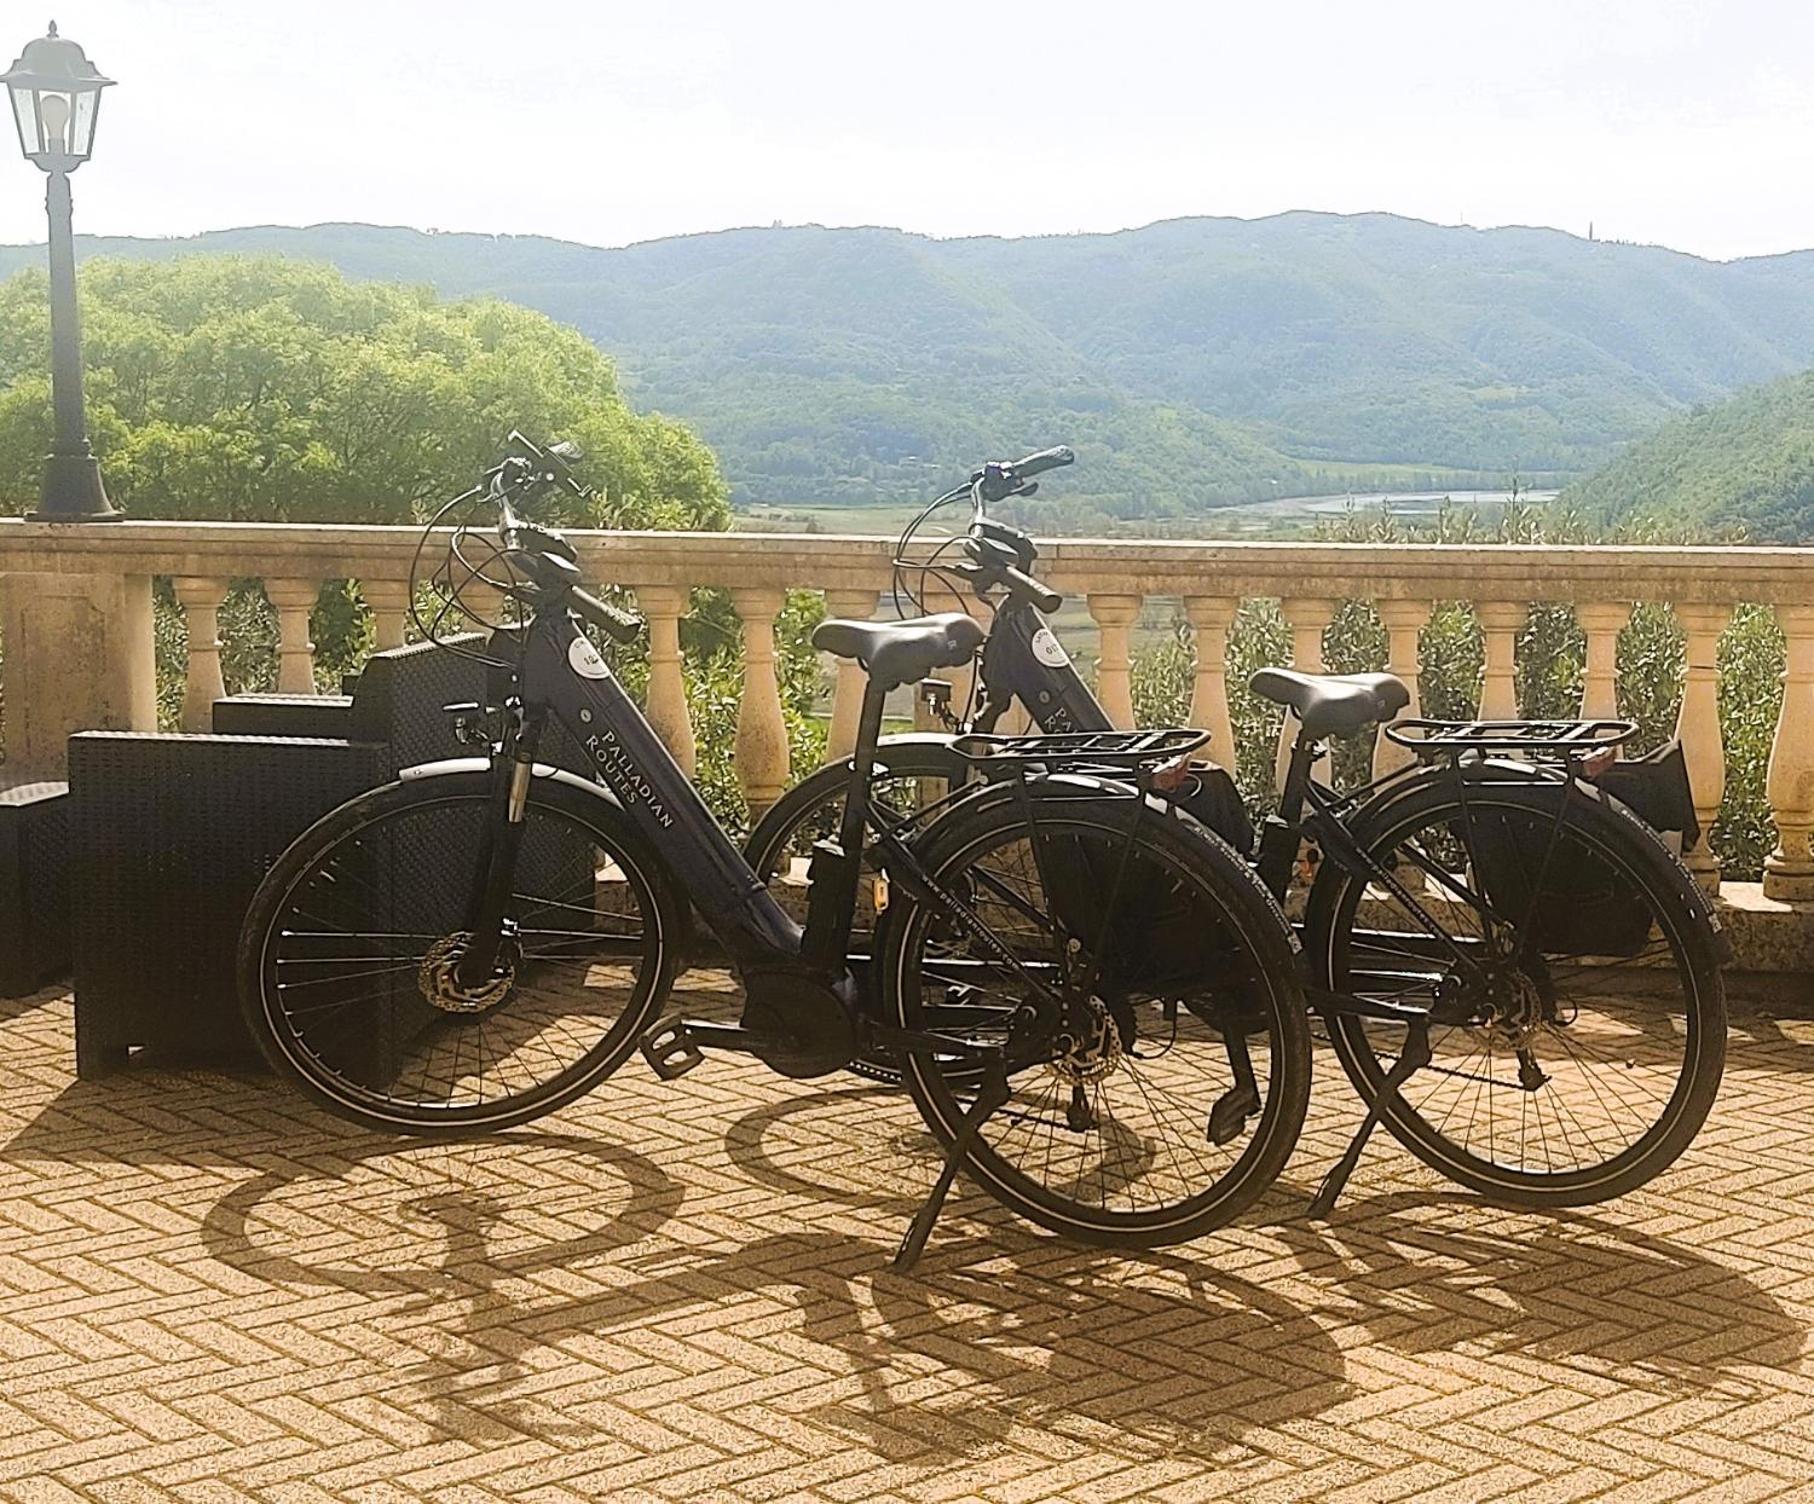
[[1210, 617], [1404, 623], [1115, 616], [1698, 726], [1500, 622], [389, 602], [1601, 622], [761, 746], [293, 601], [666, 700], [1308, 620], [1789, 870], [201, 601], [847, 693]]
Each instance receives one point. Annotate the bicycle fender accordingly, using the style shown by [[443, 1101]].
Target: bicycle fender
[[450, 765]]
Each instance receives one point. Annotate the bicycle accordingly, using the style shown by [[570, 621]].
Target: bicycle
[[483, 940], [1531, 1092]]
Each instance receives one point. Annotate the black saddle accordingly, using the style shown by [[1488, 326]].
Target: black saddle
[[899, 652], [1333, 704]]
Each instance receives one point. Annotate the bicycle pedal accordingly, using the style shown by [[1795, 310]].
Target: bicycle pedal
[[1229, 1116], [670, 1049]]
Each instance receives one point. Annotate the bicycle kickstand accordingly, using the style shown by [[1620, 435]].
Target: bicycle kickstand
[[1414, 1057], [992, 1094]]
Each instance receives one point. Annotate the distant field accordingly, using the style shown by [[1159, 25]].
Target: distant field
[[1286, 517], [887, 519]]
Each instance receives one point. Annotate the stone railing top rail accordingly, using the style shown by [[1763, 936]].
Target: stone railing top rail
[[1408, 571]]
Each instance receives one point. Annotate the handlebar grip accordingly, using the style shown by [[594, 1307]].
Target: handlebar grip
[[1024, 584], [1047, 459], [623, 626]]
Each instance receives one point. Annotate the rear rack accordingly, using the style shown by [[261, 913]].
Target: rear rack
[[1561, 737], [1114, 749]]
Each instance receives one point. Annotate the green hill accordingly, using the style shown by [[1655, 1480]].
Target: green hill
[[1192, 363], [1745, 465]]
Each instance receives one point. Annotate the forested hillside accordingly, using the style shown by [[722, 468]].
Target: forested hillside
[[1191, 363], [1744, 467]]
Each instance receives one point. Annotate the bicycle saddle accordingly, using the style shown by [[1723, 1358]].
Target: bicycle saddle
[[1333, 704], [898, 652]]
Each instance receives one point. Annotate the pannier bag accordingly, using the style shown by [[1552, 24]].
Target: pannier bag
[[1210, 795], [1159, 940], [1587, 907]]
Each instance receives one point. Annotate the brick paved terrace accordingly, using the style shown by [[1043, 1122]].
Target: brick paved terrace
[[208, 1291]]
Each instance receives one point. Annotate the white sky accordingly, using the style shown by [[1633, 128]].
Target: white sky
[[603, 121]]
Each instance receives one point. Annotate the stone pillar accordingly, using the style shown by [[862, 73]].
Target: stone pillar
[[666, 708], [389, 602], [1404, 623], [1698, 726], [1115, 616], [80, 656], [1210, 617], [847, 694], [293, 601], [1308, 620], [1601, 621], [761, 747], [1789, 870], [201, 601], [1500, 622]]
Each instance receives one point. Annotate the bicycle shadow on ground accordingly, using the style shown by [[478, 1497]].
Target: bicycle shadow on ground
[[470, 1226], [1426, 1272], [996, 1330]]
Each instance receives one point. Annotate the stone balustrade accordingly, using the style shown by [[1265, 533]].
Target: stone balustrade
[[76, 609]]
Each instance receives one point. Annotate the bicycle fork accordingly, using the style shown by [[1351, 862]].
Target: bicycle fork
[[487, 925]]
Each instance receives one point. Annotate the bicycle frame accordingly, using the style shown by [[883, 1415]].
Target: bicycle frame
[[561, 672]]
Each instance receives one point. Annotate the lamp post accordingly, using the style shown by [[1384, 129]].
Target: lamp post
[[56, 94]]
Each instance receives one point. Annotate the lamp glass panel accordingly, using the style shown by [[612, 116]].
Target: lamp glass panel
[[25, 114], [81, 125]]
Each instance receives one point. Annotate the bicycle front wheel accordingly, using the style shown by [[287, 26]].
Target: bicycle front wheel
[[1143, 990], [347, 958], [1599, 1021]]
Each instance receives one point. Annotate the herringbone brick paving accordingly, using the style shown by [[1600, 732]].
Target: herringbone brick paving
[[209, 1292]]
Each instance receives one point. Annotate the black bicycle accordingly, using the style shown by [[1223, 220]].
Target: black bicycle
[[1494, 920], [1097, 1005]]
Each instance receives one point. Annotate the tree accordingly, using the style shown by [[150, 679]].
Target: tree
[[258, 389]]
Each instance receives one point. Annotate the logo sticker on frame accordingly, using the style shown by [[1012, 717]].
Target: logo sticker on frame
[[584, 660], [1048, 650]]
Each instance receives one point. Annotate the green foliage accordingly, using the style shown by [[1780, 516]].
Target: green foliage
[[1741, 469], [258, 389], [1751, 694]]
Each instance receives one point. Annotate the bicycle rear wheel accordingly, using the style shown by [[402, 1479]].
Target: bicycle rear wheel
[[347, 958], [1600, 1028], [1171, 1090]]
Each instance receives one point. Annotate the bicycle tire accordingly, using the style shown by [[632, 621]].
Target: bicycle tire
[[1675, 976], [361, 860], [1218, 890]]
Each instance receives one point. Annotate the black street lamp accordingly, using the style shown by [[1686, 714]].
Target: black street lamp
[[56, 97]]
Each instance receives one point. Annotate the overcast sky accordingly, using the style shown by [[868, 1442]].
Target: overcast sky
[[1691, 125]]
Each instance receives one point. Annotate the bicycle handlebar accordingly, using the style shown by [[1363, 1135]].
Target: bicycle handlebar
[[623, 626], [1023, 583], [1054, 458]]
